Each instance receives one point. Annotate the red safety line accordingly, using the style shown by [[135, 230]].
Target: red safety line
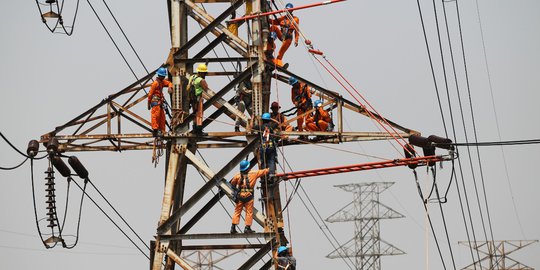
[[361, 105], [249, 17], [365, 100], [421, 161]]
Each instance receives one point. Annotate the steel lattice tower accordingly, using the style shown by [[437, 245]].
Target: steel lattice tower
[[496, 254], [366, 211]]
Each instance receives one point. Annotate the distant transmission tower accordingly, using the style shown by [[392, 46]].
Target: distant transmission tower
[[496, 254], [365, 210], [207, 259]]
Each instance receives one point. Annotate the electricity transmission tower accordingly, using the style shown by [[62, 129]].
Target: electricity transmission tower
[[119, 123], [366, 211], [496, 254]]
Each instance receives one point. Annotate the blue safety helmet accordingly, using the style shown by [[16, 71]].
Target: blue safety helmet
[[293, 80], [289, 5], [318, 103], [162, 72], [281, 249], [244, 165], [266, 116]]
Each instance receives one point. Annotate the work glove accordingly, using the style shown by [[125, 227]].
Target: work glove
[[148, 106], [296, 44]]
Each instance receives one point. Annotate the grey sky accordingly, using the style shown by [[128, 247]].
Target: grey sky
[[48, 79]]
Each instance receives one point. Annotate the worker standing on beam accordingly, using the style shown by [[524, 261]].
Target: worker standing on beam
[[196, 86], [156, 102], [301, 98], [285, 28], [278, 117], [245, 182], [320, 120]]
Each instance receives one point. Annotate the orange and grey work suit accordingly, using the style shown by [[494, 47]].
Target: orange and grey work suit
[[246, 183], [318, 121], [301, 98], [155, 102], [284, 29], [197, 87]]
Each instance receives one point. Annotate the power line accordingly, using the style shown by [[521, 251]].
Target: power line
[[497, 118]]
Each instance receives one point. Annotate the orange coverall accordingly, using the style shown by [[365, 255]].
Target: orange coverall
[[244, 193], [318, 121], [301, 98], [285, 33], [155, 102]]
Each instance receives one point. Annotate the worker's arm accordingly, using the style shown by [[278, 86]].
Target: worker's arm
[[151, 93], [277, 21], [169, 85], [261, 173], [204, 85], [234, 180]]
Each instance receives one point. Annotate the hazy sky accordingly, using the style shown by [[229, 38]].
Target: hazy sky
[[50, 78]]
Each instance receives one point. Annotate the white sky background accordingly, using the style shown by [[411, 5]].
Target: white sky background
[[49, 79]]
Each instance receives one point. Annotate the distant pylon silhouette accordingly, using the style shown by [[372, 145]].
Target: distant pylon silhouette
[[207, 259], [497, 254], [365, 210]]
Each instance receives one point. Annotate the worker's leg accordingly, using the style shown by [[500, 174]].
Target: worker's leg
[[237, 212], [311, 126], [284, 47], [262, 157], [249, 212], [199, 114], [277, 30], [300, 121], [154, 115], [323, 126], [271, 160], [162, 120]]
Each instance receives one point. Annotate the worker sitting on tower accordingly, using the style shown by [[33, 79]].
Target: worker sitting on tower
[[267, 150], [285, 28], [284, 259], [156, 102], [301, 98], [243, 100], [320, 120], [245, 182], [196, 86], [279, 118]]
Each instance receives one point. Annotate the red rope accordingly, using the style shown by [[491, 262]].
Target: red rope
[[361, 105], [341, 75]]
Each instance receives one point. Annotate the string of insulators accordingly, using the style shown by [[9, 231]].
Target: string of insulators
[[51, 197]]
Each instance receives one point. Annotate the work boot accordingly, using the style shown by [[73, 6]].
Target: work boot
[[286, 65], [233, 229], [248, 229], [303, 137], [155, 133], [236, 128]]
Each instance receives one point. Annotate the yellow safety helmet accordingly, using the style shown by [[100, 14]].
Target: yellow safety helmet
[[202, 68]]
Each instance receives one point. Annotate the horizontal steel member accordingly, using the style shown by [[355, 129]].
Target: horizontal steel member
[[215, 247], [213, 60], [214, 236]]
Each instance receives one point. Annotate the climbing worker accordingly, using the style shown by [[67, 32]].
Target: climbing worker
[[301, 98], [243, 100], [279, 118], [284, 259], [267, 150], [245, 182], [285, 28], [196, 86], [320, 120], [156, 102]]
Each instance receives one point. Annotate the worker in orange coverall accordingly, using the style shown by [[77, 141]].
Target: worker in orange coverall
[[156, 102], [301, 98], [285, 28], [245, 182], [279, 118], [320, 120]]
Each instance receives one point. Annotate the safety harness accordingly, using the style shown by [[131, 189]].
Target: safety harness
[[244, 187]]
